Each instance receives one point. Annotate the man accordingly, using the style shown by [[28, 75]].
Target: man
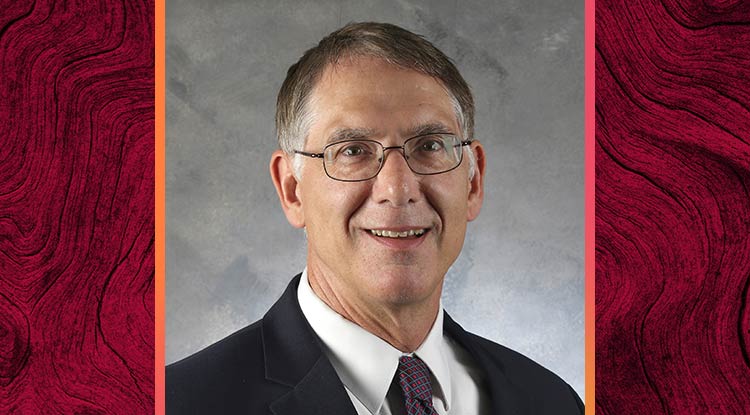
[[378, 165]]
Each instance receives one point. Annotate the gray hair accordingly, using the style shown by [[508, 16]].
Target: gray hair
[[391, 43]]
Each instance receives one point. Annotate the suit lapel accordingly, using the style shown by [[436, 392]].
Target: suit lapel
[[507, 398], [320, 392], [294, 358]]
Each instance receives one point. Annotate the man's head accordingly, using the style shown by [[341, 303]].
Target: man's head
[[388, 240]]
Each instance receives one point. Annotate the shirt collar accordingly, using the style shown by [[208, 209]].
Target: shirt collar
[[366, 363]]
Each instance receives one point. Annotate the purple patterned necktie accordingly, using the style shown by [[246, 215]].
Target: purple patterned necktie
[[414, 378]]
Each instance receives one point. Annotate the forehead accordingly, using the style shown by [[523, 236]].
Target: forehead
[[371, 94]]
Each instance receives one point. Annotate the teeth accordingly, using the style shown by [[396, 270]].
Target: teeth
[[393, 234]]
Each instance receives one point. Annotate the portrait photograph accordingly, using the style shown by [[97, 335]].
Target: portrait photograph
[[231, 251]]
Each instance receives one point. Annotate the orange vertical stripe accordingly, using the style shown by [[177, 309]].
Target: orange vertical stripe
[[159, 68], [589, 252]]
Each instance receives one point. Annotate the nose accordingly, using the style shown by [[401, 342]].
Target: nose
[[396, 184]]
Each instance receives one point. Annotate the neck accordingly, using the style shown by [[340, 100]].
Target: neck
[[403, 326]]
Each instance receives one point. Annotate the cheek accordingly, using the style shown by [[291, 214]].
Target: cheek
[[333, 203], [450, 202]]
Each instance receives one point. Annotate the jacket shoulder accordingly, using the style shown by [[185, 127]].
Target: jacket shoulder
[[226, 376], [546, 392]]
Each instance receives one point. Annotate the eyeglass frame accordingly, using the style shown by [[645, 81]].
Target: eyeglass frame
[[402, 147]]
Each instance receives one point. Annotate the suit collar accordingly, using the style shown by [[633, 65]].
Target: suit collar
[[316, 393], [507, 398], [294, 358]]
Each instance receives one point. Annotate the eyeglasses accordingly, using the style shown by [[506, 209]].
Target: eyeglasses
[[359, 160]]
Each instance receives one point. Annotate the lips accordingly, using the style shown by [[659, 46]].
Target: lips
[[402, 238]]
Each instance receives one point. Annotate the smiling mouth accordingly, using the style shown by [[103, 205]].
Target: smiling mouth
[[411, 233]]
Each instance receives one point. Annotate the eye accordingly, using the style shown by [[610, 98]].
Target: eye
[[431, 145], [353, 150]]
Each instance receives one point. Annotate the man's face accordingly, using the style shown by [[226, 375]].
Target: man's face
[[371, 99]]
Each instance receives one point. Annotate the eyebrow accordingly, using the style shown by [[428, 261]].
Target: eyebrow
[[342, 134], [429, 128]]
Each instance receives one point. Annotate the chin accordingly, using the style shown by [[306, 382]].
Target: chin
[[405, 288]]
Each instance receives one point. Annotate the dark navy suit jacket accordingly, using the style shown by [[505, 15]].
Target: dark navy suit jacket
[[277, 366]]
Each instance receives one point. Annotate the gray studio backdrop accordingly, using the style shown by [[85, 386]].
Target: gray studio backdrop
[[230, 251]]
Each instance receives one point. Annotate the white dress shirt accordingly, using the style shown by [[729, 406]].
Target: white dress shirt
[[366, 364]]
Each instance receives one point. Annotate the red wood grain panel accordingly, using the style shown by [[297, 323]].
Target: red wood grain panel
[[76, 207], [672, 207]]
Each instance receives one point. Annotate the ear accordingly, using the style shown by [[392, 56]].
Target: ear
[[287, 187], [476, 184]]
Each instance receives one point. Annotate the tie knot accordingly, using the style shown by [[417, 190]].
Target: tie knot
[[414, 378]]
